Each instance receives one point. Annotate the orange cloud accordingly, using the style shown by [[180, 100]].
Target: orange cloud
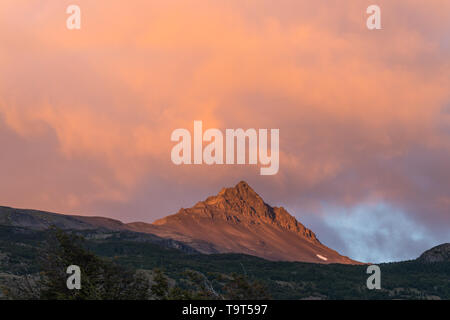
[[354, 107]]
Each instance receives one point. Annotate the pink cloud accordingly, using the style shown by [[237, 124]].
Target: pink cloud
[[360, 113]]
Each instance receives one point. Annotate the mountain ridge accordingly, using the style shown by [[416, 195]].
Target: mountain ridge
[[237, 220]]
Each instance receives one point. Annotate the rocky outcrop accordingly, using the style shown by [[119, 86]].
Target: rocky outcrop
[[439, 253]]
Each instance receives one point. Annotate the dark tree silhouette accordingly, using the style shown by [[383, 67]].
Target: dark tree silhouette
[[100, 279]]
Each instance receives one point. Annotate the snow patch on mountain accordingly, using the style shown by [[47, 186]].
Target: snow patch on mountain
[[321, 257]]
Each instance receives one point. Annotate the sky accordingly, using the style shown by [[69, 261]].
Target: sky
[[364, 115]]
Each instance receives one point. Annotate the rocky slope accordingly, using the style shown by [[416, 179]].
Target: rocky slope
[[41, 220], [439, 253], [23, 220]]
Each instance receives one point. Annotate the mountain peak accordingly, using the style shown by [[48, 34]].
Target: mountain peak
[[238, 220], [239, 195], [243, 206], [242, 189], [243, 186]]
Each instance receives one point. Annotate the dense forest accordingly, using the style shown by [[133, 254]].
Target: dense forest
[[122, 265]]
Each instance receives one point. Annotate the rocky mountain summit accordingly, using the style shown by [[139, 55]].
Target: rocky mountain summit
[[242, 205], [238, 220]]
